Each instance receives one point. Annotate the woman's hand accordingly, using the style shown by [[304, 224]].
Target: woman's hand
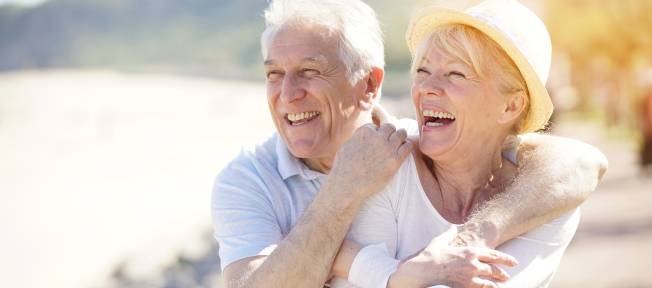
[[440, 263]]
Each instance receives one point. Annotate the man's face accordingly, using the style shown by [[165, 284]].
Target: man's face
[[313, 105]]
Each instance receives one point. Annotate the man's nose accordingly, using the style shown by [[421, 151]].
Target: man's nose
[[291, 90]]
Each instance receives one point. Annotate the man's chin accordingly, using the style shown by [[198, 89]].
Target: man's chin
[[302, 149]]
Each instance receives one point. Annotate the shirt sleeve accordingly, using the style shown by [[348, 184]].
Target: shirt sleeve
[[244, 221], [540, 250]]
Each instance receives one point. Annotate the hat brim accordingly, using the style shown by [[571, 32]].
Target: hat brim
[[540, 103]]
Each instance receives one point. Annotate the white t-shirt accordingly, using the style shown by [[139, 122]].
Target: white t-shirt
[[401, 221]]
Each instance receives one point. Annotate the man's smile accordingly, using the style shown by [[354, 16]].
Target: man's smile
[[302, 117]]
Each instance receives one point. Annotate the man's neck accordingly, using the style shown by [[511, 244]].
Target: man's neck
[[322, 165]]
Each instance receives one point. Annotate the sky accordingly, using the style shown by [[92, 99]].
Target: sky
[[22, 2]]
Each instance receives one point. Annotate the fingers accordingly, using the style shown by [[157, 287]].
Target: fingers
[[492, 271], [482, 283], [496, 257], [404, 150], [370, 126], [398, 137], [386, 130]]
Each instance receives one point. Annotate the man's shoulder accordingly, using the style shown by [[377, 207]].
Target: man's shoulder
[[252, 162]]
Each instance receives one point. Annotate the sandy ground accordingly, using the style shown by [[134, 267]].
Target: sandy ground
[[99, 168], [614, 241]]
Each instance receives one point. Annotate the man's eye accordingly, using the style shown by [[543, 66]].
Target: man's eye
[[274, 75], [310, 72]]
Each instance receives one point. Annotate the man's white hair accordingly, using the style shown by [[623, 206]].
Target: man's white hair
[[352, 22]]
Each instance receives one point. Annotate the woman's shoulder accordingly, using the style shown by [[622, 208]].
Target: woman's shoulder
[[400, 182]]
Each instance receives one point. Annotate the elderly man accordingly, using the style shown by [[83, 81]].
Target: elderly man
[[281, 211]]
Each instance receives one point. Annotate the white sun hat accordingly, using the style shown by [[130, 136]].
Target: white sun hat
[[517, 30]]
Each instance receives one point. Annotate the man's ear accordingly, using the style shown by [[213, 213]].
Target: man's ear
[[513, 107], [373, 81]]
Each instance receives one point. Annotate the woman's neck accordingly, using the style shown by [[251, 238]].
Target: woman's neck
[[464, 184], [466, 180]]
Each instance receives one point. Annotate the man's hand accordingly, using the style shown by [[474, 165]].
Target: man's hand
[[368, 160], [444, 263]]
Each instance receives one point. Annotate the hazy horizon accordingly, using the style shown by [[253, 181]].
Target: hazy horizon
[[22, 2]]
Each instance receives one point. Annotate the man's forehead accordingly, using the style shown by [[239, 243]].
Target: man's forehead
[[303, 42]]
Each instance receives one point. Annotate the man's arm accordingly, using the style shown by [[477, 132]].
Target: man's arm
[[303, 258], [555, 175]]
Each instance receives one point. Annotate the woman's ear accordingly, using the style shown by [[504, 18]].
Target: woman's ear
[[514, 107], [373, 81]]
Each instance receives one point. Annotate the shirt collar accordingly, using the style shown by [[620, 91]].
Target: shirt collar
[[289, 166]]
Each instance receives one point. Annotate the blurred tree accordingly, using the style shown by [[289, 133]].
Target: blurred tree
[[607, 41]]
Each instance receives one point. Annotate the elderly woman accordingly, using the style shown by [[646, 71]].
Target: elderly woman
[[478, 82]]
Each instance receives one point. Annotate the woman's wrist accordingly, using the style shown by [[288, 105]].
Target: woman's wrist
[[372, 267], [406, 276], [344, 259]]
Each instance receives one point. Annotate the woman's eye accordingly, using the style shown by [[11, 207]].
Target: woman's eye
[[421, 71], [455, 75]]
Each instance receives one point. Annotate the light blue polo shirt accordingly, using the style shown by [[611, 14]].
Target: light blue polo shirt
[[260, 195], [258, 198]]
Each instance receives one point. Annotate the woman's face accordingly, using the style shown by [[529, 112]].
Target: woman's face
[[457, 110]]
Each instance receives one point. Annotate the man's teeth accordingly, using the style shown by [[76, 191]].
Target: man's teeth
[[303, 115], [431, 113]]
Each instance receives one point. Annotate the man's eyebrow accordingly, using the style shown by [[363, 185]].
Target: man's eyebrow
[[315, 59], [311, 59]]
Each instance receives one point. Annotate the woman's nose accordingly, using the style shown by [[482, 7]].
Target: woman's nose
[[431, 86]]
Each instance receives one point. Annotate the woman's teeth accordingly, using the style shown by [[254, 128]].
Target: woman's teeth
[[434, 124], [444, 115], [437, 119], [296, 117]]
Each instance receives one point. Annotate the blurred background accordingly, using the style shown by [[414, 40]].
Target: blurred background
[[116, 115]]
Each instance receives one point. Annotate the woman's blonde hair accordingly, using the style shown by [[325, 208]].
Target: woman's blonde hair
[[482, 54]]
